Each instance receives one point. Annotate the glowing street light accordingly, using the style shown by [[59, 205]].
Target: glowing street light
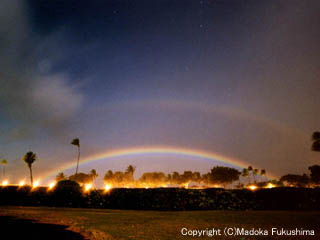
[[35, 184], [270, 185], [253, 187], [87, 187], [107, 188], [4, 183], [22, 183], [51, 185]]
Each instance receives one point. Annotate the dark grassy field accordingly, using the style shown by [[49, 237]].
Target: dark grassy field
[[128, 224]]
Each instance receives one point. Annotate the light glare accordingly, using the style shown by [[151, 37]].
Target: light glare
[[87, 187], [270, 185], [35, 184], [51, 185], [107, 188], [21, 183], [253, 187], [4, 183]]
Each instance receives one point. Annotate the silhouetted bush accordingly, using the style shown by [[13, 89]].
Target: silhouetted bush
[[95, 199], [67, 193]]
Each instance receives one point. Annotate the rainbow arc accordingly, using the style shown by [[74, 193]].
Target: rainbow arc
[[154, 151]]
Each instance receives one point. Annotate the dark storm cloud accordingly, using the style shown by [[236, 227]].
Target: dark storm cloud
[[31, 96]]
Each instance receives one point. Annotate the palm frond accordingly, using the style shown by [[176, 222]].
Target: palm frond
[[316, 146], [76, 142], [316, 136]]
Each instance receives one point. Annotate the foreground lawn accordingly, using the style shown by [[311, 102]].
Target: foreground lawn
[[127, 224]]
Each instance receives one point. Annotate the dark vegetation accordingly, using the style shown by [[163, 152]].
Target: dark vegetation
[[69, 194]]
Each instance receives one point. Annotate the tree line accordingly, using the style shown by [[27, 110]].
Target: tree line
[[218, 175]]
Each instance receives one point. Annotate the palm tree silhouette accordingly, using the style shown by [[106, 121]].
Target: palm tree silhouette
[[254, 174], [60, 177], [245, 173], [263, 172], [30, 158], [129, 173], [76, 142], [130, 169], [316, 141], [250, 169], [4, 163], [94, 175]]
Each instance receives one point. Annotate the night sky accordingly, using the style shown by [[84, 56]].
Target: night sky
[[238, 78]]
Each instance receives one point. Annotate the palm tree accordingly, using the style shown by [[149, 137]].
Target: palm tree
[[76, 142], [245, 173], [254, 174], [129, 173], [130, 169], [263, 172], [60, 177], [316, 141], [249, 173], [176, 178], [94, 175], [239, 182], [4, 163], [30, 158]]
